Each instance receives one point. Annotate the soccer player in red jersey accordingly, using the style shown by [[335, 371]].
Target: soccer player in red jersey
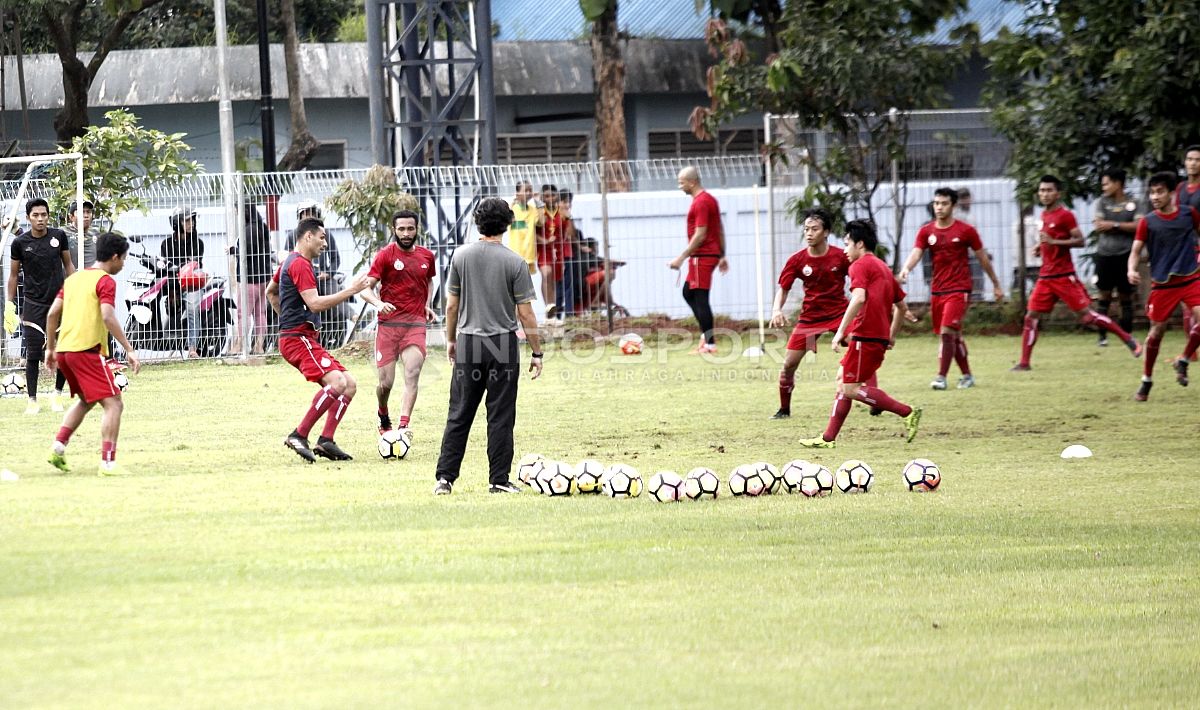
[[1187, 194], [1169, 235], [704, 253], [1056, 279], [86, 309], [950, 241], [403, 271], [294, 296], [822, 270], [871, 321]]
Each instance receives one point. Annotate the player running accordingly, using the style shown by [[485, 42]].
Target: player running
[[403, 271], [86, 309], [293, 294], [950, 241], [1056, 279], [1187, 194], [871, 322], [1168, 234], [821, 269]]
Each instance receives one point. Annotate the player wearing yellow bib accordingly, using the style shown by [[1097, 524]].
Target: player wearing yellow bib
[[522, 234], [85, 308]]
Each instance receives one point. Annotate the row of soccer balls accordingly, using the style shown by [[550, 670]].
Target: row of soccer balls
[[555, 478], [13, 383]]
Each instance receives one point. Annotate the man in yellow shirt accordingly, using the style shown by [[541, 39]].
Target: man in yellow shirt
[[522, 234], [85, 307]]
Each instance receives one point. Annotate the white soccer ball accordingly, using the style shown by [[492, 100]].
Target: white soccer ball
[[556, 479], [588, 476], [12, 383], [772, 478], [666, 487], [921, 475], [701, 483], [630, 343], [121, 380], [816, 481], [791, 473], [622, 481], [745, 480], [854, 476], [394, 443], [528, 468]]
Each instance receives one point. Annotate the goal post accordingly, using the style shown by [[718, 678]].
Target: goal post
[[12, 215]]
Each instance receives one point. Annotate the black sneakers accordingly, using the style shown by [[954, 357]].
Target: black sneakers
[[329, 449], [506, 487], [443, 487], [385, 423], [782, 414], [299, 444], [1181, 372], [1143, 392]]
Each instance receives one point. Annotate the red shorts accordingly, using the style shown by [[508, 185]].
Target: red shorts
[[1047, 292], [1162, 301], [391, 340], [862, 360], [89, 375], [804, 335], [305, 353], [948, 310], [700, 271]]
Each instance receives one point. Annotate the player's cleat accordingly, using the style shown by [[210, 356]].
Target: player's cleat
[[911, 423], [113, 469], [56, 404], [329, 449], [506, 487], [817, 443], [551, 311], [1181, 375], [875, 411], [59, 461], [939, 383], [443, 487], [299, 444], [1019, 368], [33, 407], [385, 423], [782, 414], [1143, 392], [1135, 348], [1103, 341], [705, 349], [966, 382]]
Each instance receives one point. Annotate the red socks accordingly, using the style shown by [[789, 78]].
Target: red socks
[[841, 407], [1028, 337], [322, 401], [960, 354], [108, 451], [875, 397], [787, 383], [404, 422], [64, 435], [946, 352], [1193, 342], [1150, 355], [1094, 318], [336, 411]]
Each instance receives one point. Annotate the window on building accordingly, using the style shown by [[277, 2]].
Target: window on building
[[530, 148], [330, 156], [684, 144]]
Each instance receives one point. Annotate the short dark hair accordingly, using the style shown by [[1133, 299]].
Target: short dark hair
[[551, 188], [1191, 148], [820, 214], [492, 217], [111, 244], [565, 195], [406, 214], [1114, 174], [947, 192], [862, 231], [307, 226], [1052, 180], [87, 205], [1166, 178], [523, 183], [36, 202]]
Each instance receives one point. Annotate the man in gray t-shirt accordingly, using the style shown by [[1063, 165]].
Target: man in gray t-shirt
[[1114, 217], [488, 290]]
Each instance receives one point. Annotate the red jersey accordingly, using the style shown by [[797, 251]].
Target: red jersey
[[874, 320], [705, 212], [552, 230], [951, 248], [824, 279], [1056, 260], [404, 278]]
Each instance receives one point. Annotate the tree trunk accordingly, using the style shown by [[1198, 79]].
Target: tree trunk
[[608, 74], [304, 145]]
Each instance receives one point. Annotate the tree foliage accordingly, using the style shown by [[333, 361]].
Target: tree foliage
[[841, 69], [120, 159], [1083, 86], [367, 207]]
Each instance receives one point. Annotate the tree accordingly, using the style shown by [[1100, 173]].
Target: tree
[[762, 13], [1085, 86], [63, 20], [367, 208], [608, 74], [841, 70], [304, 145]]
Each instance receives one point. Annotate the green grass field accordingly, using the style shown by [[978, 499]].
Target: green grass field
[[229, 574]]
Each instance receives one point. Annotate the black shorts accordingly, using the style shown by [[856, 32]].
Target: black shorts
[[1111, 272], [35, 313]]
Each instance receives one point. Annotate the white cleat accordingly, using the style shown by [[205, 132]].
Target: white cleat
[[939, 383], [33, 407], [966, 382]]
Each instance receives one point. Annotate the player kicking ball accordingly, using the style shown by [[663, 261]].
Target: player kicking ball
[[871, 321], [77, 328], [293, 294], [1169, 235]]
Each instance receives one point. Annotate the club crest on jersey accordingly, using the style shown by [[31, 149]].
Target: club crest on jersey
[[54, 241], [807, 270], [1130, 207], [326, 362], [398, 265], [932, 239]]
